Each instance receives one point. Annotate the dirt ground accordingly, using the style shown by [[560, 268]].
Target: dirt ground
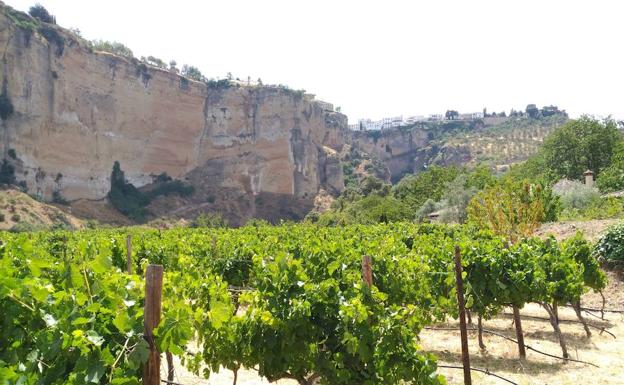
[[501, 356], [592, 230]]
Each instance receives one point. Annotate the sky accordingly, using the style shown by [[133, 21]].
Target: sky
[[379, 59]]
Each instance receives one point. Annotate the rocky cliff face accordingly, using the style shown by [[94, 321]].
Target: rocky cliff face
[[76, 112]]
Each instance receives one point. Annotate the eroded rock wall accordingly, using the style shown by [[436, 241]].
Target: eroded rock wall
[[76, 112]]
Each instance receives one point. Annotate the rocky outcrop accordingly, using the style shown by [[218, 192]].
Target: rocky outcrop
[[76, 112]]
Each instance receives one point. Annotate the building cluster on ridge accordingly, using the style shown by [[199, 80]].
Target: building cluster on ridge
[[531, 111]]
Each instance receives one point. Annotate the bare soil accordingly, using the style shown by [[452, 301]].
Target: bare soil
[[501, 356], [17, 207]]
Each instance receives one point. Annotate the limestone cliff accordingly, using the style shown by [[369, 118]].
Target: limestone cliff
[[76, 112]]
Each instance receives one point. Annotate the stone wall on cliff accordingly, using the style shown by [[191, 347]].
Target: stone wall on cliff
[[76, 112]]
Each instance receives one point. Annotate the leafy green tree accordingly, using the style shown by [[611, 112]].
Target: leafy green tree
[[39, 12], [480, 177], [414, 190], [192, 73], [612, 177], [532, 111], [580, 145]]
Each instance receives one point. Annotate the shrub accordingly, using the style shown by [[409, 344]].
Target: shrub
[[112, 47], [513, 209], [192, 73], [25, 227], [2, 217], [576, 195], [210, 220], [40, 13], [23, 21], [16, 217], [455, 200], [610, 246], [218, 84], [53, 37], [58, 198], [12, 154], [130, 201], [170, 187]]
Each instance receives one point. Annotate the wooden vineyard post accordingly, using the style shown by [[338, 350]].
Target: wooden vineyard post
[[153, 297], [367, 270], [129, 253], [519, 333], [462, 317]]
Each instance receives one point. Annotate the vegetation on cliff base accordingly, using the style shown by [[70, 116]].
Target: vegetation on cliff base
[[130, 201]]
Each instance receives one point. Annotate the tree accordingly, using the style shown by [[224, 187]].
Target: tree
[[414, 190], [580, 145], [40, 13], [451, 115], [173, 64], [532, 111], [192, 73], [612, 177], [513, 209]]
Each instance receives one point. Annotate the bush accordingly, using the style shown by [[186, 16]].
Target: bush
[[193, 73], [25, 227], [39, 12], [217, 84], [58, 198], [112, 47], [12, 154], [604, 208], [170, 187], [513, 209], [610, 246], [16, 217], [576, 195], [53, 37], [210, 220], [2, 217]]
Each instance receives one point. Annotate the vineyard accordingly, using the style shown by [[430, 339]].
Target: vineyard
[[288, 301]]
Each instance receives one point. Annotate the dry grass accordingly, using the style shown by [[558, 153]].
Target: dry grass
[[17, 207]]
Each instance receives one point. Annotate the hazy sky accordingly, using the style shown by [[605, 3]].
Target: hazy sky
[[384, 58]]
